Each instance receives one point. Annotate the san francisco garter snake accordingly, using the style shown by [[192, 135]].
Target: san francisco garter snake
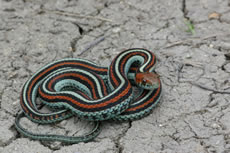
[[82, 88]]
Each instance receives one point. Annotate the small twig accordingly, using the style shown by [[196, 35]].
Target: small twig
[[77, 15], [92, 44], [193, 38], [209, 89], [176, 43], [180, 67]]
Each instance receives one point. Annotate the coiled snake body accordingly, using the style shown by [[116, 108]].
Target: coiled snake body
[[80, 87]]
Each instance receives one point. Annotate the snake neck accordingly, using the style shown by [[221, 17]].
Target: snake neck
[[142, 60]]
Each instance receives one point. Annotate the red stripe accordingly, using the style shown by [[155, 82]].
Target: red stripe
[[22, 104], [57, 65], [152, 61], [77, 76], [102, 104], [111, 72]]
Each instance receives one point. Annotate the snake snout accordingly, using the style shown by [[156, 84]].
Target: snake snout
[[147, 80]]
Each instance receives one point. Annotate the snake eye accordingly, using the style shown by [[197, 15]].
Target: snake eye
[[144, 81]]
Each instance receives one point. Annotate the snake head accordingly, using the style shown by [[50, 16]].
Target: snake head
[[147, 80]]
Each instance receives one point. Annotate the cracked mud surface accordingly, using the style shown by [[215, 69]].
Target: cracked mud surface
[[194, 112]]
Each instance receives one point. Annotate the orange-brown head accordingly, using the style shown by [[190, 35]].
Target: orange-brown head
[[147, 80]]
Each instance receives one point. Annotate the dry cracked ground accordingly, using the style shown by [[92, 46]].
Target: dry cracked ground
[[191, 40]]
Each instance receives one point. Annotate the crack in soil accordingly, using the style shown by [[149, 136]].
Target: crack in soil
[[184, 9], [118, 145]]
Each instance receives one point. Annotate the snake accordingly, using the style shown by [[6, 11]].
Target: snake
[[74, 86]]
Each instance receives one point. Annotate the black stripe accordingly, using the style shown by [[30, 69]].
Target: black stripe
[[58, 68], [86, 83], [83, 102]]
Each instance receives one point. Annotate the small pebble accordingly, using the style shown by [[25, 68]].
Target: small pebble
[[211, 45], [116, 30], [188, 56], [215, 126], [16, 102], [214, 15]]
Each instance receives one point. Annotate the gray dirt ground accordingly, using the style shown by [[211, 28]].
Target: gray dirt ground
[[194, 113]]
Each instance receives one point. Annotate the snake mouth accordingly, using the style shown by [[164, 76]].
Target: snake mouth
[[147, 80]]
